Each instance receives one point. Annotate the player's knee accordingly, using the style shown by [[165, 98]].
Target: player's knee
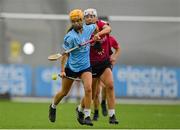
[[110, 85], [88, 90]]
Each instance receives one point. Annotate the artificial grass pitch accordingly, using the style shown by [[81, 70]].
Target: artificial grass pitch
[[16, 115]]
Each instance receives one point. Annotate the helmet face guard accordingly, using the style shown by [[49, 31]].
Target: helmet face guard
[[90, 11]]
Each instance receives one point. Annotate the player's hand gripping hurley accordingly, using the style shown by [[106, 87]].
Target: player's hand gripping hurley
[[56, 56]]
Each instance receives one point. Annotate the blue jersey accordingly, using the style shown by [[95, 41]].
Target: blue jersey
[[79, 59]]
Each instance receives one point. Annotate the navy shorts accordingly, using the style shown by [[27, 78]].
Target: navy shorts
[[99, 68], [73, 74]]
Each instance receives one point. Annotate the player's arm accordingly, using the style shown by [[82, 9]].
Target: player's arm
[[98, 34], [116, 53], [106, 30], [68, 44], [63, 62], [115, 56]]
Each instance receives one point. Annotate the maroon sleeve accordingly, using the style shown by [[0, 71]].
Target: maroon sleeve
[[101, 23], [113, 42]]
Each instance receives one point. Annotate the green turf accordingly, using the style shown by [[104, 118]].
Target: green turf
[[35, 115]]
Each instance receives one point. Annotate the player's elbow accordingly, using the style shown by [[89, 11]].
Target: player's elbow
[[118, 51], [109, 29]]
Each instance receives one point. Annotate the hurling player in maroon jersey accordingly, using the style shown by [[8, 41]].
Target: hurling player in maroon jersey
[[101, 63]]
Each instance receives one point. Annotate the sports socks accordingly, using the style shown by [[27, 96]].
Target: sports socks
[[87, 112], [111, 112], [80, 108], [53, 105]]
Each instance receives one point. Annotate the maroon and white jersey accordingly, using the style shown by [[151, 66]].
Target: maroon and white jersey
[[97, 56]]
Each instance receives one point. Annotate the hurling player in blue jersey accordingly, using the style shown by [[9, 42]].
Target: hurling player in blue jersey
[[77, 64]]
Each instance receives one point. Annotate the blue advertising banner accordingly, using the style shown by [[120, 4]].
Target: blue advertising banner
[[129, 81], [139, 81], [16, 80], [44, 85]]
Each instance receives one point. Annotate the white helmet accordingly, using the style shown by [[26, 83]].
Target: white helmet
[[90, 11]]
